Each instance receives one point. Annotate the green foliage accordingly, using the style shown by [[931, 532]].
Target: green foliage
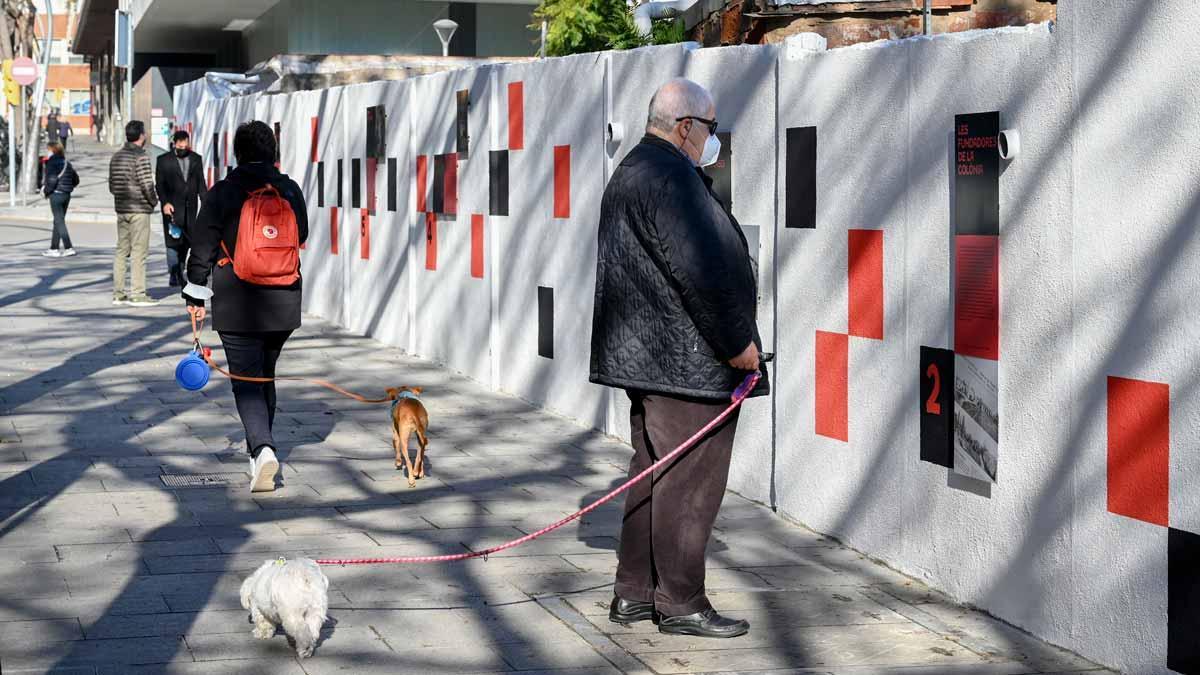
[[580, 26]]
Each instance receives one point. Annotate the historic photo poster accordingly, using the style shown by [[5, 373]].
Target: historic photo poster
[[976, 417]]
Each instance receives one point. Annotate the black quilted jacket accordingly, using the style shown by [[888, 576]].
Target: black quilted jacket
[[131, 181], [676, 293]]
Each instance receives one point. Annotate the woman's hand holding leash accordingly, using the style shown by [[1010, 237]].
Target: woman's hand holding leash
[[198, 313]]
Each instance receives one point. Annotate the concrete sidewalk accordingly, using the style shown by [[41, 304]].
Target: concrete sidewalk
[[91, 202], [106, 569]]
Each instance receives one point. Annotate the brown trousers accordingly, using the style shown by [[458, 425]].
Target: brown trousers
[[668, 521]]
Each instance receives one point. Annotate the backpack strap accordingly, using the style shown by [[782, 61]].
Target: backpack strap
[[228, 256]]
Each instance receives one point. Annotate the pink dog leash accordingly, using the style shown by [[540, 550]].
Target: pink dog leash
[[739, 396]]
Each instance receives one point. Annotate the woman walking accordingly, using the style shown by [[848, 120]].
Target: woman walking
[[253, 318], [60, 181]]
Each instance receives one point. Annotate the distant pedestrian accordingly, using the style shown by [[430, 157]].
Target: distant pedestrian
[[179, 178], [131, 182], [60, 182], [253, 320], [65, 131], [675, 327]]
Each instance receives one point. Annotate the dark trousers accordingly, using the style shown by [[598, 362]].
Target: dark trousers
[[254, 355], [59, 201], [668, 521], [176, 259]]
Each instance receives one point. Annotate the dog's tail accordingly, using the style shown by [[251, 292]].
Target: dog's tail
[[307, 631]]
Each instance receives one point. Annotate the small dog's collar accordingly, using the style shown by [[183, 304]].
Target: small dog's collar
[[403, 395], [281, 561]]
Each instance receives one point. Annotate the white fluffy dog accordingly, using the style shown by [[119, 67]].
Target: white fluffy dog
[[289, 593]]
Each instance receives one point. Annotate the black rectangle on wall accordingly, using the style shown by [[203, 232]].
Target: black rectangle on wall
[[977, 174], [216, 154], [356, 183], [545, 322], [439, 184], [376, 132], [464, 128], [391, 184], [721, 171], [340, 180], [498, 182], [937, 406], [321, 183], [800, 186], [1183, 602]]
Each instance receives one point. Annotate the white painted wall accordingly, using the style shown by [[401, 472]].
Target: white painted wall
[[1100, 268]]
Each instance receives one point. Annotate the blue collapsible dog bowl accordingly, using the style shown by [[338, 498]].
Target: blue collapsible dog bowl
[[192, 372]]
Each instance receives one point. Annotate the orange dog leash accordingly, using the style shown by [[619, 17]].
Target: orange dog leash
[[206, 353]]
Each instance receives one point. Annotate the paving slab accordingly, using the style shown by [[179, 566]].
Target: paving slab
[[104, 569]]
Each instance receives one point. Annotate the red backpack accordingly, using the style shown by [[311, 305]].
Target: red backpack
[[268, 241]]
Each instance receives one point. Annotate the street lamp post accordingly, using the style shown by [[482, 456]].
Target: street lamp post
[[445, 30]]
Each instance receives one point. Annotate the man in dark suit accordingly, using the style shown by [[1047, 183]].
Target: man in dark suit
[[179, 178]]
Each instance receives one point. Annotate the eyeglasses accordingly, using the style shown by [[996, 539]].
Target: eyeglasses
[[711, 124]]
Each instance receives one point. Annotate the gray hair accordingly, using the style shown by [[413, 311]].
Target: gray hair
[[677, 98]]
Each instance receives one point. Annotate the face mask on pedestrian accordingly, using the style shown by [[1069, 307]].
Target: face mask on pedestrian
[[181, 150], [712, 148]]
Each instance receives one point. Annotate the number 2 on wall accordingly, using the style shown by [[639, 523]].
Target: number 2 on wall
[[931, 404]]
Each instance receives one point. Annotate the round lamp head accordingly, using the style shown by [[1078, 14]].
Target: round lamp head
[[445, 30]]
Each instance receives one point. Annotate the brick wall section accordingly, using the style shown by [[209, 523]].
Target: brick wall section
[[847, 23], [68, 76]]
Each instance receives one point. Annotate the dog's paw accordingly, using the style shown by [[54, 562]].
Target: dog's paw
[[263, 632]]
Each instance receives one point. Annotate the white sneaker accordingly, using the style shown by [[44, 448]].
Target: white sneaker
[[67, 253], [263, 470], [143, 301], [52, 253]]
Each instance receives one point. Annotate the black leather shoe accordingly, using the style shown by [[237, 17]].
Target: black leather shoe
[[630, 611], [703, 624]]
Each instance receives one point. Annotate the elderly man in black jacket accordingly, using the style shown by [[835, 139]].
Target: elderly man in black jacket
[[179, 178], [675, 327]]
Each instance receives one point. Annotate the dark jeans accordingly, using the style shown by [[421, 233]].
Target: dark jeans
[[176, 258], [59, 201], [254, 355], [669, 518]]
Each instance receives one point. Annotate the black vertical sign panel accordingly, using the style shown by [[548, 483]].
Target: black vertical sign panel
[[977, 173], [1183, 602], [800, 186], [278, 148], [439, 184], [216, 155], [937, 406], [721, 171], [464, 129], [391, 184], [545, 322], [321, 183], [339, 183], [376, 132], [498, 182], [356, 183]]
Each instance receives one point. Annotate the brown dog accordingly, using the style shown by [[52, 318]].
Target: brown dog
[[409, 416]]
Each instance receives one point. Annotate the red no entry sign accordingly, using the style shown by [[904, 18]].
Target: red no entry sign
[[24, 70]]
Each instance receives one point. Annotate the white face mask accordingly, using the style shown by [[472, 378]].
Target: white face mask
[[712, 148]]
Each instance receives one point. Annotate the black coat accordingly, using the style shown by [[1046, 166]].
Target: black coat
[[676, 293], [60, 176], [238, 306], [182, 192]]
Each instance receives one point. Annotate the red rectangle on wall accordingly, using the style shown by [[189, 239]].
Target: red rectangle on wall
[[977, 296], [450, 187], [314, 136], [477, 245], [333, 230], [372, 167], [364, 234], [431, 241], [865, 268], [562, 181], [516, 115], [422, 181], [189, 130], [1139, 441], [832, 385], [210, 177]]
